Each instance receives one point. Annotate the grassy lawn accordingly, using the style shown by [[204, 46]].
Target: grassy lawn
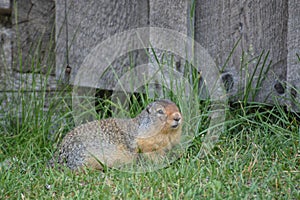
[[256, 157]]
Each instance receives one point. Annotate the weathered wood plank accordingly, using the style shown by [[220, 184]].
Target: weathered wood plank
[[169, 15], [33, 24], [90, 23], [29, 35], [174, 15], [5, 7], [261, 25], [30, 82], [5, 56], [293, 63]]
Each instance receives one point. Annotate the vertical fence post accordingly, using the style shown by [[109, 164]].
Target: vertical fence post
[[260, 26], [293, 58]]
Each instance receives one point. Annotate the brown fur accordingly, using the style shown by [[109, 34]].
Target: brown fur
[[114, 142]]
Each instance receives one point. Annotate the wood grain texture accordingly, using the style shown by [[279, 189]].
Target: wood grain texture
[[91, 22], [172, 14], [261, 25], [5, 56], [26, 51], [33, 42], [5, 7], [169, 15], [293, 63], [26, 54]]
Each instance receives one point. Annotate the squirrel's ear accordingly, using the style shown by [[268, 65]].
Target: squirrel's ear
[[148, 108]]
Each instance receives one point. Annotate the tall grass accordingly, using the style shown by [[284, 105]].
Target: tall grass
[[256, 157]]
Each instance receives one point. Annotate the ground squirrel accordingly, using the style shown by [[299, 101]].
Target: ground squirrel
[[114, 142]]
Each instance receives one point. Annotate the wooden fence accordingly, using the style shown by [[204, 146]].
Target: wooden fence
[[271, 27]]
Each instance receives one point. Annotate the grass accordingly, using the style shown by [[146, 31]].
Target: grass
[[256, 157]]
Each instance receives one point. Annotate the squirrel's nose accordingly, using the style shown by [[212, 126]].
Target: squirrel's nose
[[177, 117]]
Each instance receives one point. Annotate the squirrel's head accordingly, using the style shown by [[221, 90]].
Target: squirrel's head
[[165, 113], [160, 127]]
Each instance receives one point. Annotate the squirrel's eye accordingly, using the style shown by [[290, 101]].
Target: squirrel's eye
[[160, 111]]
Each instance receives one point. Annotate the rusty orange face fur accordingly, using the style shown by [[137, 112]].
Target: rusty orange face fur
[[167, 119], [168, 114]]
